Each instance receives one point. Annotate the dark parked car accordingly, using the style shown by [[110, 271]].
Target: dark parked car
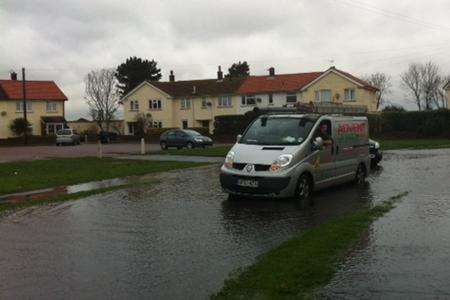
[[375, 153], [183, 138], [106, 137]]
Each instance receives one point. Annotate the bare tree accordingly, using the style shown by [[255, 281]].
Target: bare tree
[[101, 96], [432, 82], [412, 82], [383, 83]]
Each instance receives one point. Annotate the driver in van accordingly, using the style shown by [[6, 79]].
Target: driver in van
[[323, 133]]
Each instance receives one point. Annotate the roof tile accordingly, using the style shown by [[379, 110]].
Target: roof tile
[[35, 90]]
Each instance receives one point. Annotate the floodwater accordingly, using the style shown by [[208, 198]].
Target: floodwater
[[406, 254], [178, 239]]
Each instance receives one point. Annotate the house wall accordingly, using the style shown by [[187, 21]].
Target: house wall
[[196, 114], [39, 109], [143, 94], [337, 84]]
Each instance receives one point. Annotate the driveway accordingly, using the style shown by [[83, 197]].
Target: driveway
[[8, 154], [182, 238]]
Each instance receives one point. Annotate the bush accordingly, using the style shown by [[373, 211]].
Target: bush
[[411, 124], [20, 126]]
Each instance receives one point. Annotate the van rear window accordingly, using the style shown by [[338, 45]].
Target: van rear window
[[277, 131]]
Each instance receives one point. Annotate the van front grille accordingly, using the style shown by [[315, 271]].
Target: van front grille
[[258, 167]]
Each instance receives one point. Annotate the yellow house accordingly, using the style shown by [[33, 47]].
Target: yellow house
[[183, 104], [44, 106], [195, 103]]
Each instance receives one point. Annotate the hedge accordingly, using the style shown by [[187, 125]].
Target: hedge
[[408, 124]]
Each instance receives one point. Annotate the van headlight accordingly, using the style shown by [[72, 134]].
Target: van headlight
[[377, 145], [229, 160], [282, 161]]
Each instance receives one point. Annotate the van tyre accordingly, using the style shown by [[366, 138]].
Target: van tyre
[[190, 145], [360, 176], [163, 145], [304, 190]]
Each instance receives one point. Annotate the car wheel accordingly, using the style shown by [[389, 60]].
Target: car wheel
[[360, 176], [163, 145], [190, 145], [304, 190]]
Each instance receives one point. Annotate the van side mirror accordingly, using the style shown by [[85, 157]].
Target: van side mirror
[[317, 144], [238, 138]]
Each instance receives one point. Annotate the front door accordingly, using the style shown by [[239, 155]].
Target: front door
[[324, 161]]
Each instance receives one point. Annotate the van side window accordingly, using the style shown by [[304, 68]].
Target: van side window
[[324, 130]]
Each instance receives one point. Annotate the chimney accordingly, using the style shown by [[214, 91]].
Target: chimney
[[219, 74], [13, 75], [171, 76], [271, 71]]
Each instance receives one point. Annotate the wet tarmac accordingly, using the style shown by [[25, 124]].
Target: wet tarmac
[[182, 238]]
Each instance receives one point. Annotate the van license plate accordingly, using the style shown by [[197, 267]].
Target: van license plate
[[247, 183]]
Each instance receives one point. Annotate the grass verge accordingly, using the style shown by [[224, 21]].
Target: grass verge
[[415, 144], [31, 175], [300, 266], [6, 208]]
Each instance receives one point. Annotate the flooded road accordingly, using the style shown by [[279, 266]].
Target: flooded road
[[181, 238], [406, 254]]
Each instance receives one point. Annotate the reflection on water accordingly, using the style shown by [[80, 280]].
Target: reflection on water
[[62, 190]]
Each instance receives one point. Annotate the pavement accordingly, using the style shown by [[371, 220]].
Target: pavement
[[182, 238], [18, 153]]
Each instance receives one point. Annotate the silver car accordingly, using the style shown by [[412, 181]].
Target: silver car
[[67, 136], [291, 155]]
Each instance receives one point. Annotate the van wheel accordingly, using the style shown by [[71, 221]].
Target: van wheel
[[360, 176], [304, 190], [190, 145], [163, 145]]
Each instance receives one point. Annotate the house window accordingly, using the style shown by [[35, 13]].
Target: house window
[[154, 104], [322, 96], [185, 124], [131, 128], [51, 107], [134, 105], [291, 97], [19, 106], [225, 101], [204, 102], [248, 100], [349, 95], [157, 124], [185, 103], [270, 99]]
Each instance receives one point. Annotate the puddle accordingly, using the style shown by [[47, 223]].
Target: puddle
[[62, 190]]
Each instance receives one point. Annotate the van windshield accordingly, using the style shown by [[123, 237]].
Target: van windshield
[[278, 131]]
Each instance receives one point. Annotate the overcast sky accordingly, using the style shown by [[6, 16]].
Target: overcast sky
[[63, 40]]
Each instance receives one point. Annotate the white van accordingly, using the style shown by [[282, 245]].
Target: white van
[[291, 154]]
